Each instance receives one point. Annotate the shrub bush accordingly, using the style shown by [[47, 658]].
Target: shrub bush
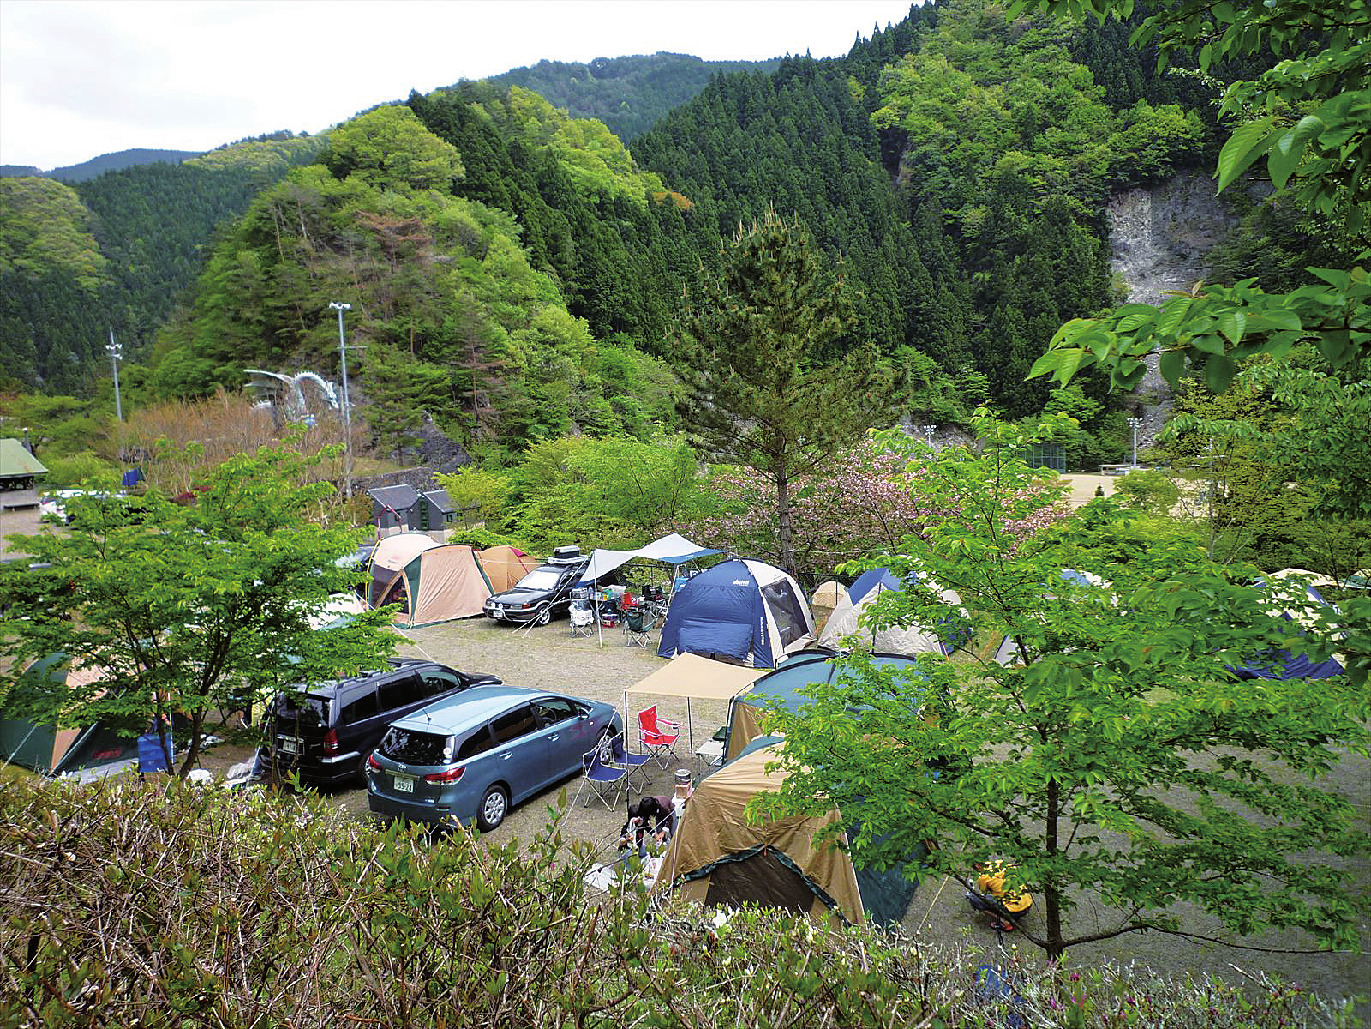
[[164, 904]]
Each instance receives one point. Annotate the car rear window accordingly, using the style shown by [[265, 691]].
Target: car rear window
[[308, 712], [415, 748]]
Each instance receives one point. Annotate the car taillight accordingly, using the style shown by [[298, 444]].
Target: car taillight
[[330, 742], [372, 763], [451, 775]]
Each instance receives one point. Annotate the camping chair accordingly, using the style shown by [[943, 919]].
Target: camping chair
[[658, 735], [621, 758], [582, 614], [605, 781], [639, 622]]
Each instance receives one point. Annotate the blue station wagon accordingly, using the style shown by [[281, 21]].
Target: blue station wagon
[[471, 756]]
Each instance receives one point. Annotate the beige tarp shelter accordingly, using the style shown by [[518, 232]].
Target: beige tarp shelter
[[824, 601], [718, 857], [389, 558], [505, 566], [694, 678], [438, 585]]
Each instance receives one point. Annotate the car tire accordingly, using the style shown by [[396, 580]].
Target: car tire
[[494, 807], [362, 769], [543, 617]]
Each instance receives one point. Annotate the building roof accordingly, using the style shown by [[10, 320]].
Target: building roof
[[439, 499], [18, 462], [396, 498]]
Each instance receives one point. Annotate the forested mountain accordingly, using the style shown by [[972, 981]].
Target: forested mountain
[[957, 164], [452, 316], [114, 253], [953, 168], [628, 94], [98, 166]]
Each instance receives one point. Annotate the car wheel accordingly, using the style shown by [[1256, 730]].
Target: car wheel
[[494, 806], [543, 617], [362, 769]]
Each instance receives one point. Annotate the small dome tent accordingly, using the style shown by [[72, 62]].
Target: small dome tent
[[1278, 662], [747, 709], [390, 556], [720, 856], [438, 585], [824, 601], [52, 751], [748, 611], [1007, 653], [895, 639]]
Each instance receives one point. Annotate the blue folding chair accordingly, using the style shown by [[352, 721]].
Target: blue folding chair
[[605, 781], [635, 763]]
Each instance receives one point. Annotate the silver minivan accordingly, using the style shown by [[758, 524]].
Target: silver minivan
[[470, 757]]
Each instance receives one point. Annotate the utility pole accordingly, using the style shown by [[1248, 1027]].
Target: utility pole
[[347, 407], [1135, 424], [115, 356]]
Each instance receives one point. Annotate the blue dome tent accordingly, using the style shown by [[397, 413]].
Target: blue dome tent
[[745, 611]]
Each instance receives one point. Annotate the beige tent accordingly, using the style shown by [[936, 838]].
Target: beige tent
[[694, 678], [438, 585], [825, 599], [389, 558], [718, 857], [505, 566]]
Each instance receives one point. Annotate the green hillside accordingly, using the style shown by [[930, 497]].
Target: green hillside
[[628, 94], [115, 253]]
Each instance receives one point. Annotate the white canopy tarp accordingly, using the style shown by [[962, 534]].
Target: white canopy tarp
[[672, 549]]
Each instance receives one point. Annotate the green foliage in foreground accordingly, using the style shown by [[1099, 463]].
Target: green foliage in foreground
[[1112, 756], [164, 905]]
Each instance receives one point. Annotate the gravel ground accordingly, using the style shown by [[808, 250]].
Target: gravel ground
[[548, 658]]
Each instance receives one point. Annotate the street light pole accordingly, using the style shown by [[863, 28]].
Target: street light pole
[[1134, 424], [347, 407], [115, 356]]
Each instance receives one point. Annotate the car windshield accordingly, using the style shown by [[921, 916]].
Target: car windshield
[[544, 578], [415, 748], [306, 711]]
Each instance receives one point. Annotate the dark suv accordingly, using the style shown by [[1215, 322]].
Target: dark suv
[[543, 593], [326, 731]]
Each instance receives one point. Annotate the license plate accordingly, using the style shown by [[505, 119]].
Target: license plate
[[290, 745], [403, 784]]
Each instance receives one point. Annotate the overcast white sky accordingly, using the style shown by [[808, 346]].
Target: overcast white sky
[[79, 79]]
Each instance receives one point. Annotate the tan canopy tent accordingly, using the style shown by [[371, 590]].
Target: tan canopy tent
[[505, 566], [438, 585], [694, 678], [718, 857]]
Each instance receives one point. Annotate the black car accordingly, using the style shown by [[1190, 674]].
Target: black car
[[542, 594], [327, 730]]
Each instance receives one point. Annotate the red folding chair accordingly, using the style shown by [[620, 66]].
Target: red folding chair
[[658, 736]]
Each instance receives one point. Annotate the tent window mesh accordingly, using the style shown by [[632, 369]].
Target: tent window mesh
[[785, 607]]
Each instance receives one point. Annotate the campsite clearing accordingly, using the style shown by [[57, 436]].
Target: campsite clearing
[[549, 658]]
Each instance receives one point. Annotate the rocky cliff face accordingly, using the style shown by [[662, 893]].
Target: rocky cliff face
[[1159, 238]]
